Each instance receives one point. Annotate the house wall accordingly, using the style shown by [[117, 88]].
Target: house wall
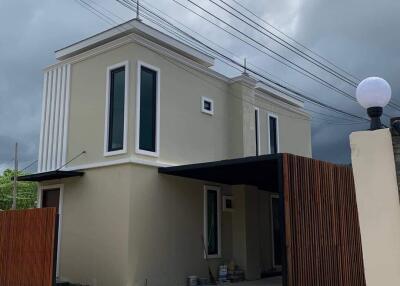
[[229, 133], [94, 226], [378, 205], [123, 225]]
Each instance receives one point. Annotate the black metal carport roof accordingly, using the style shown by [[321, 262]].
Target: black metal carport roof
[[261, 171], [51, 175]]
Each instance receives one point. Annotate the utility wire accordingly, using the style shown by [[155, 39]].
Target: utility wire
[[206, 39], [251, 23], [290, 47], [292, 91], [76, 157], [294, 40], [309, 75], [274, 55], [28, 166]]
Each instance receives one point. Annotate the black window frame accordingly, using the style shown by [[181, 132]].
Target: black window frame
[[110, 115], [273, 134], [216, 250], [141, 145]]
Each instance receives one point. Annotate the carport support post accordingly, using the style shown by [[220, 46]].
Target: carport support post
[[281, 192]]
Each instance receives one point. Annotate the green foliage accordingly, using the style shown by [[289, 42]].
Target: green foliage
[[26, 192]]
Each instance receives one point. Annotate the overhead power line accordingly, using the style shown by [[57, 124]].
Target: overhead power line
[[253, 24], [308, 99], [294, 40], [303, 71]]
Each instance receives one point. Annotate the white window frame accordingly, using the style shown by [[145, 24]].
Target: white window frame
[[276, 266], [107, 112], [224, 199], [60, 210], [141, 64], [205, 228], [269, 115], [258, 146], [203, 100]]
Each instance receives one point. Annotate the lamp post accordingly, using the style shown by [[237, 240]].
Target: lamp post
[[374, 93]]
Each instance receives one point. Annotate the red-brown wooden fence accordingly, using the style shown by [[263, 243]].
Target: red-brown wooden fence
[[323, 241], [27, 247]]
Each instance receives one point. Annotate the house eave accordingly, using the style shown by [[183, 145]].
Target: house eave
[[139, 28], [279, 94]]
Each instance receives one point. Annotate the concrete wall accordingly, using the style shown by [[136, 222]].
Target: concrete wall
[[229, 133], [123, 225], [378, 205]]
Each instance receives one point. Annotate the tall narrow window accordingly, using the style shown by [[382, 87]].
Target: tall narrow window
[[257, 130], [273, 134], [148, 113], [212, 221], [116, 109]]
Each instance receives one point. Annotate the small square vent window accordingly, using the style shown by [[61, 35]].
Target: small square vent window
[[227, 203], [207, 105]]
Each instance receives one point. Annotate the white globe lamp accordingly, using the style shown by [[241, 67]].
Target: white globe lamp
[[374, 93]]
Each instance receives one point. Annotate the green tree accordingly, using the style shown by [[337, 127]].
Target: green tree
[[26, 192]]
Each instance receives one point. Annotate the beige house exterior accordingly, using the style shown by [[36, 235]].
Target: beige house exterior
[[123, 223]]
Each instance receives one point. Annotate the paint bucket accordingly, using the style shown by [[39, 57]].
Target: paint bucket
[[192, 281]]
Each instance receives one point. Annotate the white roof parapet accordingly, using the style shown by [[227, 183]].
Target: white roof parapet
[[280, 94], [135, 27]]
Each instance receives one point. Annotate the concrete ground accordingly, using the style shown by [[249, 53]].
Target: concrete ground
[[272, 281]]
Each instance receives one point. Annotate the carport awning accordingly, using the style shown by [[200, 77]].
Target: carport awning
[[51, 175], [261, 171]]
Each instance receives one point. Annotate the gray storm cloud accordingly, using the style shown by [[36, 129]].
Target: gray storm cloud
[[360, 36]]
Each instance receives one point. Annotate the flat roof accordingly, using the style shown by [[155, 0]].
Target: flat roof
[[135, 27], [50, 175], [261, 171]]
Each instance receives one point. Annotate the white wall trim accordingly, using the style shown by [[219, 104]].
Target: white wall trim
[[141, 64], [269, 114], [42, 121], [275, 101], [46, 127], [205, 228], [257, 131], [273, 196], [130, 160], [124, 149], [134, 26], [60, 207], [66, 113], [134, 38], [204, 99], [56, 111]]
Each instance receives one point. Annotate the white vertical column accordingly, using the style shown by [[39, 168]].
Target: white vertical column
[[42, 121], [52, 118], [61, 120], [66, 112], [57, 96], [44, 165]]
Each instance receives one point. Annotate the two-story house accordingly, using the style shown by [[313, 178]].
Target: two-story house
[[121, 104]]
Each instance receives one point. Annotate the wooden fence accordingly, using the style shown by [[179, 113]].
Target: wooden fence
[[27, 240], [323, 241]]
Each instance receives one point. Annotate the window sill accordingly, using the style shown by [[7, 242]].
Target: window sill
[[114, 153], [215, 256], [147, 153]]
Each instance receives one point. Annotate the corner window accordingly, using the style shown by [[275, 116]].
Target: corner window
[[212, 221], [273, 134], [147, 110], [207, 105], [257, 130], [116, 109]]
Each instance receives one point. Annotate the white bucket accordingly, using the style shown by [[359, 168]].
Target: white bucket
[[192, 281]]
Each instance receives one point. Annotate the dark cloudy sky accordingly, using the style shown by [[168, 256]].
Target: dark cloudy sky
[[360, 36]]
